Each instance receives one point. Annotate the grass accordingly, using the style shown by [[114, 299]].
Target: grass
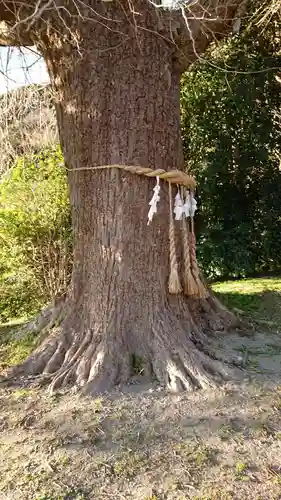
[[164, 447], [14, 351], [258, 299], [240, 469]]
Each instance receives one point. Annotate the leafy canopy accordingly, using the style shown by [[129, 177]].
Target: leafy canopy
[[232, 141]]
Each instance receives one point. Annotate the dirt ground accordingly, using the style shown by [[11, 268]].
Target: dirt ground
[[144, 444]]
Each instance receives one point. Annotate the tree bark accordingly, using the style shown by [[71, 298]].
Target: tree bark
[[118, 103]]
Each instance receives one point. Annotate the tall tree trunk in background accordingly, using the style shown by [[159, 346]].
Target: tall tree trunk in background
[[118, 103]]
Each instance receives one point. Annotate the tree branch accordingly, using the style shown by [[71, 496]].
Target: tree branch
[[17, 19], [194, 25], [10, 37], [189, 26]]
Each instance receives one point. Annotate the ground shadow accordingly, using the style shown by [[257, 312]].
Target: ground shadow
[[146, 442], [262, 306]]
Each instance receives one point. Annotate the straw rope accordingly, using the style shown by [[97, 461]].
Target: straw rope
[[172, 176], [190, 286], [201, 290], [174, 280]]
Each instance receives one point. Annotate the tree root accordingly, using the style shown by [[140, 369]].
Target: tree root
[[183, 364], [96, 361]]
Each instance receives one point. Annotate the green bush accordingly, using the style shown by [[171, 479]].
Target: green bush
[[35, 234], [232, 142]]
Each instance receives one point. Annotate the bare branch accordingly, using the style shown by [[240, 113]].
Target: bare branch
[[11, 12], [40, 7], [27, 122], [268, 11], [187, 25], [200, 23]]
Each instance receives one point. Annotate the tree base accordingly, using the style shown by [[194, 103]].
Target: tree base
[[174, 352]]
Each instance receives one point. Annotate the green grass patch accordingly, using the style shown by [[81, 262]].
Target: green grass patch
[[14, 351], [258, 298]]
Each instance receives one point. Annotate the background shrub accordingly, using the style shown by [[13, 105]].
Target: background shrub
[[35, 233], [232, 139]]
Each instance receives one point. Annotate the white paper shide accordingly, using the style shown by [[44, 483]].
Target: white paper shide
[[178, 207], [153, 202]]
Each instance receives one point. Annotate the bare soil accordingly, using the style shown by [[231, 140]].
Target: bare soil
[[145, 444]]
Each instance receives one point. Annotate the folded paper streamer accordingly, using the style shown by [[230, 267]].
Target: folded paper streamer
[[187, 208], [178, 207], [153, 202]]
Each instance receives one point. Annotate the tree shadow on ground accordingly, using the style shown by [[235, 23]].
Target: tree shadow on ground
[[261, 306], [139, 441], [7, 330], [146, 419]]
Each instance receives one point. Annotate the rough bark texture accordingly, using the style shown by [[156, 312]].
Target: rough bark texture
[[118, 102]]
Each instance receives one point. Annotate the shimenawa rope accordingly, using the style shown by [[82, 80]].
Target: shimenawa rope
[[173, 176], [174, 280], [190, 286], [193, 285]]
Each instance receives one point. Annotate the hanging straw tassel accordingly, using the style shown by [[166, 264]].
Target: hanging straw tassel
[[202, 293], [190, 286], [174, 280]]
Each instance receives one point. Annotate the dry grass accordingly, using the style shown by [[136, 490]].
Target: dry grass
[[269, 10], [141, 445], [27, 123]]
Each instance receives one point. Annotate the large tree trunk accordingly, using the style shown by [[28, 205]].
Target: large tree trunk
[[118, 103]]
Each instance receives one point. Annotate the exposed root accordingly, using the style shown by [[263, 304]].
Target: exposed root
[[179, 364], [176, 353]]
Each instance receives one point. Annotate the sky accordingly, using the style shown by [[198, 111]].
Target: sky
[[20, 67]]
